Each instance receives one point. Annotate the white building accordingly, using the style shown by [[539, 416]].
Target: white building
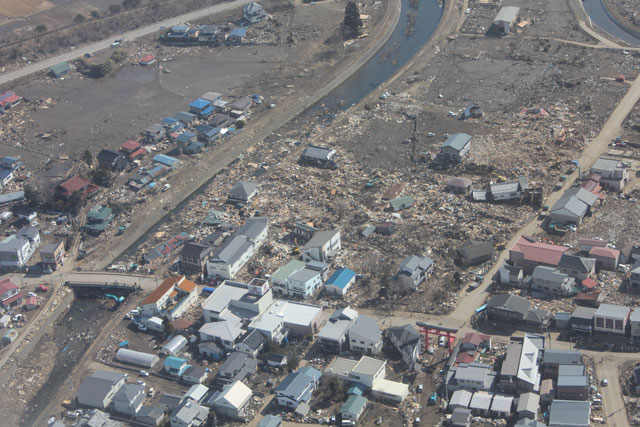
[[365, 336], [304, 283], [172, 298], [611, 319], [98, 389], [15, 253], [129, 399], [253, 12], [238, 249], [612, 173], [233, 401], [322, 246]]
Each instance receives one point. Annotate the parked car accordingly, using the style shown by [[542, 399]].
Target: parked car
[[152, 391], [441, 341], [604, 382], [42, 288], [144, 373], [140, 382], [142, 327], [420, 388]]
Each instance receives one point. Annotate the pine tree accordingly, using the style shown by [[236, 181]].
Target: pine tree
[[352, 23]]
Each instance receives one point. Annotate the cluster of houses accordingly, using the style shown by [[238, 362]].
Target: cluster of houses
[[532, 383], [252, 13], [576, 203]]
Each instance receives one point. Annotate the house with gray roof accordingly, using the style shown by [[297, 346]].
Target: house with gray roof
[[508, 191], [224, 333], [551, 282], [193, 257], [612, 319], [237, 367], [455, 148], [129, 399], [474, 252], [243, 192], [270, 421], [195, 374], [365, 336], [470, 376], [237, 250], [513, 308], [333, 335], [324, 244], [189, 414], [98, 389], [413, 271], [460, 417], [151, 415], [613, 173], [304, 283], [297, 387], [253, 13], [569, 413], [96, 418], [573, 206], [576, 266], [252, 344], [481, 403], [315, 155], [528, 405], [407, 341]]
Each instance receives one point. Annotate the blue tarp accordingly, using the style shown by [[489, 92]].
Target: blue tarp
[[481, 308]]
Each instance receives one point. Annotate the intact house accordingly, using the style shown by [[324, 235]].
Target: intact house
[[528, 253], [151, 415], [474, 252], [551, 281], [10, 294], [323, 157], [194, 257], [112, 160], [189, 414], [352, 409], [455, 148], [236, 251], [515, 309], [613, 173], [471, 377], [98, 218], [511, 275], [175, 366], [173, 298], [304, 283], [582, 320], [297, 387], [340, 282], [76, 184], [253, 343], [280, 276], [469, 348], [611, 319], [407, 341], [322, 246], [98, 389], [232, 402], [503, 191], [364, 336], [520, 368], [253, 13], [606, 258], [505, 18], [573, 206], [333, 336], [577, 267], [154, 133], [129, 399], [564, 413], [224, 333], [413, 271]]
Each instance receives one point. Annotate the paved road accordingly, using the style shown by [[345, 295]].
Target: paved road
[[131, 35]]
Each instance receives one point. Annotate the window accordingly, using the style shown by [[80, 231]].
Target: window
[[599, 322], [361, 342], [609, 323], [619, 325]]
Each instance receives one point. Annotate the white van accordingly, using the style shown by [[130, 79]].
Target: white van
[[442, 341]]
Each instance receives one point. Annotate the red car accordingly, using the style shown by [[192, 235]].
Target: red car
[[42, 288]]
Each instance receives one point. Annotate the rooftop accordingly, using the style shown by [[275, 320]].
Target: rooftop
[[611, 310], [569, 413], [368, 366], [341, 277]]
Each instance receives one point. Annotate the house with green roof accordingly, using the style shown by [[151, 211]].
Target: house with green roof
[[98, 218], [60, 69], [279, 278], [353, 408]]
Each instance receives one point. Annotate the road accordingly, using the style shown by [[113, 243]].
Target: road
[[128, 36]]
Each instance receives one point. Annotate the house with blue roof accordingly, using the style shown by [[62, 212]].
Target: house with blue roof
[[199, 105], [171, 124], [353, 408], [165, 160], [175, 366], [186, 138], [237, 35], [208, 134], [186, 118], [178, 32], [297, 387], [340, 281]]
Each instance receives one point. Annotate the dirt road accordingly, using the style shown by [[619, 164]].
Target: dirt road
[[131, 35]]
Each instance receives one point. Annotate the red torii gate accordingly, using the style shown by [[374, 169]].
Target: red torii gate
[[441, 331]]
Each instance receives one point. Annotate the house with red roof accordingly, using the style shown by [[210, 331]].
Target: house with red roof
[[589, 284], [76, 184], [9, 100], [470, 347], [606, 258], [172, 298], [133, 150], [528, 253], [10, 294]]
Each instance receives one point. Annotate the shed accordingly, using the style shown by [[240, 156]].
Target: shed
[[505, 18], [174, 346], [166, 160], [401, 203], [60, 69], [137, 358], [340, 281]]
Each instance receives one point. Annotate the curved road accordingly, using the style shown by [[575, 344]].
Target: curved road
[[131, 35]]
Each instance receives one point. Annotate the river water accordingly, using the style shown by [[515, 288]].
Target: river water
[[599, 16]]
